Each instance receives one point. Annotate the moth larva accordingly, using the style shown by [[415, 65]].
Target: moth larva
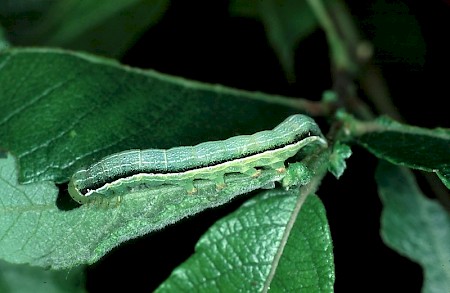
[[119, 173]]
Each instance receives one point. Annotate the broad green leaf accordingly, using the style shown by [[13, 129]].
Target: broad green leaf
[[405, 145], [256, 249], [33, 230], [63, 110], [415, 226], [286, 22], [25, 279]]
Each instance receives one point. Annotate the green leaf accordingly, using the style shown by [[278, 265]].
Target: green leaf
[[415, 226], [23, 278], [256, 249], [33, 230], [287, 22], [405, 145], [63, 110]]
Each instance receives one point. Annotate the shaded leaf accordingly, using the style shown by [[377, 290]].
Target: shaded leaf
[[415, 226], [256, 248], [286, 22], [103, 27], [19, 16], [109, 27]]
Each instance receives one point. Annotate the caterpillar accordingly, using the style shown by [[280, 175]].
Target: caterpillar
[[119, 173]]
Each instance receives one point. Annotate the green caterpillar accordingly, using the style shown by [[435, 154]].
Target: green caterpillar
[[122, 172]]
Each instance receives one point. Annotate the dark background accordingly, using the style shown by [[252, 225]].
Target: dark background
[[200, 40]]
